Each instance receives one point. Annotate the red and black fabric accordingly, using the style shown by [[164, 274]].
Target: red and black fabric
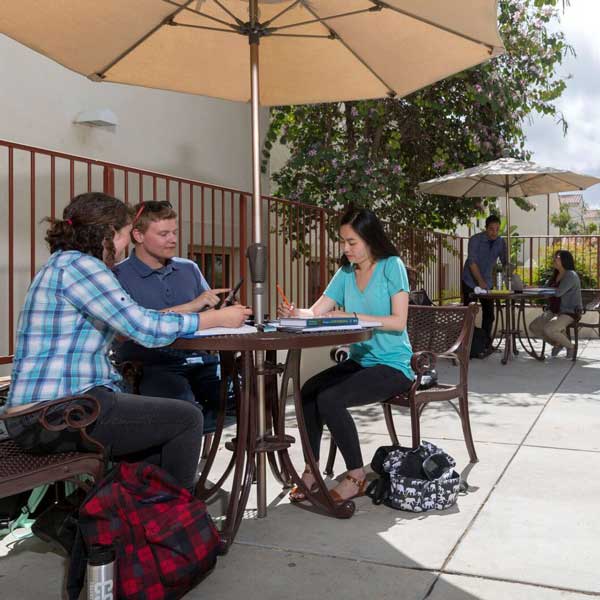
[[164, 538]]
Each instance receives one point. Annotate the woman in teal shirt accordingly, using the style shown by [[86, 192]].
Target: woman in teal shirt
[[373, 285]]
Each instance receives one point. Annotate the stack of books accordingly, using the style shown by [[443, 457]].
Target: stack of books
[[300, 324]]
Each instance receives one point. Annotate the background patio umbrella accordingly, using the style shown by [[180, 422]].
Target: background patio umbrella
[[310, 51], [509, 177]]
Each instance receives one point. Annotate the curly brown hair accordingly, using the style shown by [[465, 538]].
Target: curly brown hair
[[88, 225]]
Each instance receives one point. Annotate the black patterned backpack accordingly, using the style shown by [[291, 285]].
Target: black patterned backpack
[[415, 480]]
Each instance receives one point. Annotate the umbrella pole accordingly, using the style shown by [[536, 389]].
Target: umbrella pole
[[257, 259]]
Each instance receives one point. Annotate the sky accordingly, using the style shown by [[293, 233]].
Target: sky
[[579, 150]]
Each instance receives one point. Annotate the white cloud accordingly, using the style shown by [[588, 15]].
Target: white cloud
[[580, 104]]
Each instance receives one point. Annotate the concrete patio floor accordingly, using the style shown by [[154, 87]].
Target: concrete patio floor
[[527, 529]]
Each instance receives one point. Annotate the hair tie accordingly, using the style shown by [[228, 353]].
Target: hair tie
[[70, 222]]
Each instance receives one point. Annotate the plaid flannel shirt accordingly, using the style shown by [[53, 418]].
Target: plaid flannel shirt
[[74, 308]]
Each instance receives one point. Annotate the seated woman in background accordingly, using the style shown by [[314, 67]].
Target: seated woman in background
[[74, 308], [371, 284], [563, 309]]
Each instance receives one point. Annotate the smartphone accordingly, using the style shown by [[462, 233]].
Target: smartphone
[[230, 298]]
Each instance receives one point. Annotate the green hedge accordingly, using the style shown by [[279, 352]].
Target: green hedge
[[585, 266]]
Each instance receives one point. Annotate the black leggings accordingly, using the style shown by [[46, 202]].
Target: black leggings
[[327, 396], [163, 431]]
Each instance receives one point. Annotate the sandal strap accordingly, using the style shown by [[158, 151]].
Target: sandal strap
[[360, 484]]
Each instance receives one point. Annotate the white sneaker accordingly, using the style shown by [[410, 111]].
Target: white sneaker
[[556, 350]]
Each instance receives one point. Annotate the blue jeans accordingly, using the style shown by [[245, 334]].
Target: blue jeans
[[197, 382]]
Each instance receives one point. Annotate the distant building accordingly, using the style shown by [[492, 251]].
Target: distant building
[[575, 205], [592, 217]]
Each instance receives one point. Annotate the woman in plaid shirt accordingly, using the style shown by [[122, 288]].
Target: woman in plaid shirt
[[73, 310]]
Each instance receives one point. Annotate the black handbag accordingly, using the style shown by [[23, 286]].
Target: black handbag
[[416, 480]]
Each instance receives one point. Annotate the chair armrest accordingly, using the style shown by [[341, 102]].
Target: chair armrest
[[78, 412]]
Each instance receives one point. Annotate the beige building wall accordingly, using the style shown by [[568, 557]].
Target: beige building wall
[[178, 134], [534, 222]]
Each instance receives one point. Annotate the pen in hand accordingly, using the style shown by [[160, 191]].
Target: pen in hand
[[283, 296]]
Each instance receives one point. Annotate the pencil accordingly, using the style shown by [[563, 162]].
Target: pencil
[[282, 294]]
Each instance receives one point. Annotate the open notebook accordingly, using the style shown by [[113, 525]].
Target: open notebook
[[223, 331]]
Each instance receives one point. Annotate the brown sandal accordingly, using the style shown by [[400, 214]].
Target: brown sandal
[[360, 484], [296, 495]]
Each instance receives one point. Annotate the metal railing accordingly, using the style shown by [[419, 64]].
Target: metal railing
[[533, 256], [215, 225]]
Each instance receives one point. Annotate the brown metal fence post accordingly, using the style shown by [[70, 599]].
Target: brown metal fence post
[[597, 261], [322, 254], [530, 261], [11, 246], [411, 246], [440, 271], [108, 181]]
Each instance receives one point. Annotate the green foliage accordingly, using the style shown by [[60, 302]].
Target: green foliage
[[585, 264], [567, 226], [375, 152], [515, 243]]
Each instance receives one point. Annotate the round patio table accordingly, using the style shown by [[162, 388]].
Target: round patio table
[[275, 443], [510, 311]]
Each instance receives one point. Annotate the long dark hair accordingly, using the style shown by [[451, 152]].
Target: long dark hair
[[88, 225], [369, 228], [566, 260]]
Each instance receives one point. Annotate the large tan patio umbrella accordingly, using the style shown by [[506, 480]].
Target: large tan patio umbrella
[[509, 177], [310, 51]]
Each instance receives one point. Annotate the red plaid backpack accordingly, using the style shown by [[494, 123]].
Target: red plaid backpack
[[164, 539]]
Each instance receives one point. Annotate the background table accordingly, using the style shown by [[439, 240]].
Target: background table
[[512, 323], [247, 445]]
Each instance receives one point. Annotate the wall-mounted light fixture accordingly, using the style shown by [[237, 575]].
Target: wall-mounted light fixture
[[98, 117]]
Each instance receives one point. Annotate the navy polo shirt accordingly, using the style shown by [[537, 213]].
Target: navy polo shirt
[[178, 282], [485, 253]]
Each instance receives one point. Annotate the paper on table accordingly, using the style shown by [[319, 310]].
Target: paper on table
[[223, 331]]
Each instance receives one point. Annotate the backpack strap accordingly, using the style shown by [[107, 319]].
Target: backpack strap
[[77, 567], [379, 489]]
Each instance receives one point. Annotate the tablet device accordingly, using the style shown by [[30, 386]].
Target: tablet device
[[230, 298]]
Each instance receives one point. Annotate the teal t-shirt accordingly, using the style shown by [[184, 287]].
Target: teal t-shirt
[[390, 348]]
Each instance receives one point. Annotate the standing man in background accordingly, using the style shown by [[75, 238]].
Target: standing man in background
[[484, 250]]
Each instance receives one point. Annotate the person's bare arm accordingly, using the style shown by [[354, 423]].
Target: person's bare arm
[[208, 298], [230, 316], [474, 268], [394, 322], [322, 306]]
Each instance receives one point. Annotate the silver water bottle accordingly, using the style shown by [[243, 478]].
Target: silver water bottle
[[101, 584]]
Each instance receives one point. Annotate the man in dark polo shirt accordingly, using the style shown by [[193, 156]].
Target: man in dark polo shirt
[[155, 278], [485, 249]]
